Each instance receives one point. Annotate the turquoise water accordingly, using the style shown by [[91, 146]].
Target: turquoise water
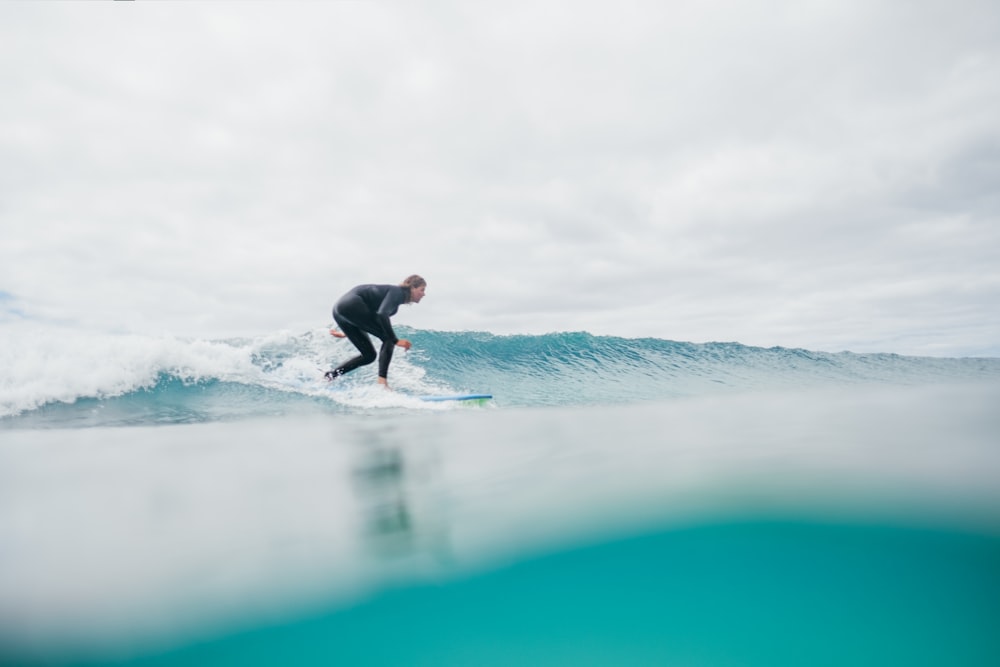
[[640, 502], [736, 593], [55, 379]]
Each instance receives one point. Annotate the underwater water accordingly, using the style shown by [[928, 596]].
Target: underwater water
[[170, 501]]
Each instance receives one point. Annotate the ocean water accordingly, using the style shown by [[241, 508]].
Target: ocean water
[[168, 501]]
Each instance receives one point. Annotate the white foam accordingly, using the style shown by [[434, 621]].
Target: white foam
[[44, 364], [41, 364]]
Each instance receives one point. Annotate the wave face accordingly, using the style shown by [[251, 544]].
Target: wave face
[[579, 368], [59, 378]]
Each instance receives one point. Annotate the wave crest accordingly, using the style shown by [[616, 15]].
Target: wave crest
[[152, 375]]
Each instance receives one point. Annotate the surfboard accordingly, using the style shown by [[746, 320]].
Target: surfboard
[[458, 397]]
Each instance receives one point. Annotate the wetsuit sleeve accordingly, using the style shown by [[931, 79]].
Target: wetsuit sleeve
[[390, 304]]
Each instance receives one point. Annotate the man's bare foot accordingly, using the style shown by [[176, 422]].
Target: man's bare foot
[[337, 334]]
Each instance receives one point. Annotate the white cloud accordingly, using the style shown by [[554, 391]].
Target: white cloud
[[809, 174]]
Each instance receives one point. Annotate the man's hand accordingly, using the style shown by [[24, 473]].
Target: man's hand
[[403, 343]]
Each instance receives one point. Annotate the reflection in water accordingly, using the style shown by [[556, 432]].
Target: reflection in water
[[394, 488]]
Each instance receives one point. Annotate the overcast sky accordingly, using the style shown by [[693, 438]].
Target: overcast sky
[[807, 174]]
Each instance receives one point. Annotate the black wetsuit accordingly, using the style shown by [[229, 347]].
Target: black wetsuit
[[364, 310]]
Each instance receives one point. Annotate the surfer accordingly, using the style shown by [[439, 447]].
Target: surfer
[[366, 309]]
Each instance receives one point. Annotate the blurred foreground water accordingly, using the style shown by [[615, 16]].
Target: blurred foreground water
[[825, 526]]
